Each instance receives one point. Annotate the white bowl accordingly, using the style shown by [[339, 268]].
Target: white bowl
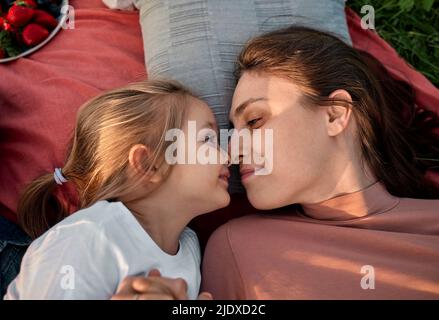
[[61, 20]]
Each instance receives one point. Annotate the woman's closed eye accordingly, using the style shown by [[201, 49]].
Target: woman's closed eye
[[254, 122]]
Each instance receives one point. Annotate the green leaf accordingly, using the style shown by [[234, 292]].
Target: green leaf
[[406, 5], [427, 4], [8, 44], [5, 39], [13, 51]]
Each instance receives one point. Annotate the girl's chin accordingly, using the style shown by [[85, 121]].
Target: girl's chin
[[223, 198], [220, 198]]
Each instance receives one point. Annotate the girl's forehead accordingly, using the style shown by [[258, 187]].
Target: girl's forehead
[[200, 113], [199, 109]]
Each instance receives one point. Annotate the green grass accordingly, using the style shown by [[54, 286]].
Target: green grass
[[412, 28]]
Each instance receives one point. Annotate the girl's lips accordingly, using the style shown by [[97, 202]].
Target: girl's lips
[[224, 176], [224, 179]]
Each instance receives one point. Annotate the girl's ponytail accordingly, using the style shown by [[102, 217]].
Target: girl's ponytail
[[106, 129], [39, 208]]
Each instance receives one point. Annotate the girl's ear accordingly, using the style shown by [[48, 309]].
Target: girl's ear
[[338, 114], [137, 158]]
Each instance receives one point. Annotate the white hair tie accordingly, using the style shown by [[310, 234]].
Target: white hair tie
[[59, 178]]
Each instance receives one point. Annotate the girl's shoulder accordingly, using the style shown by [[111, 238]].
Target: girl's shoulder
[[190, 237], [189, 240], [98, 213], [189, 234], [86, 224]]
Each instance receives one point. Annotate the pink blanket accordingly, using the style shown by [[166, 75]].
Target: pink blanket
[[40, 94]]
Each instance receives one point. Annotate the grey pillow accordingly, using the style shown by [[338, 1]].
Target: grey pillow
[[197, 42]]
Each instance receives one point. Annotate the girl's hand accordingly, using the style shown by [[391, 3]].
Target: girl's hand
[[154, 287]]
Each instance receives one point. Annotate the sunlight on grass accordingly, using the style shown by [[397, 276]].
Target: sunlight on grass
[[412, 28]]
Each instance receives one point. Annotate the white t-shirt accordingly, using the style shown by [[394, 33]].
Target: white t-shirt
[[89, 253]]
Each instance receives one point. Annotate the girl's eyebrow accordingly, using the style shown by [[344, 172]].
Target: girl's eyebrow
[[211, 125], [240, 109]]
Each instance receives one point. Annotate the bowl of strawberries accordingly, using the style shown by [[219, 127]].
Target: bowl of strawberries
[[27, 25]]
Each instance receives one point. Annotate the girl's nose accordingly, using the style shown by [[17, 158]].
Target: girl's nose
[[225, 157]]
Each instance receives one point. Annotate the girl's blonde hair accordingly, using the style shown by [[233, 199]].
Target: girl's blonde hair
[[106, 129]]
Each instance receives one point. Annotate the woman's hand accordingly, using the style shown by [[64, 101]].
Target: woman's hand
[[154, 287]]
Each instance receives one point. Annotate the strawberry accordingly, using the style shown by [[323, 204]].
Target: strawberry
[[34, 34], [8, 27], [44, 19], [2, 22], [19, 15], [17, 34]]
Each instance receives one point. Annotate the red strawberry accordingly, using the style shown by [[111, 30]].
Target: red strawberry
[[34, 34], [2, 21], [2, 53], [8, 27], [19, 15], [45, 19], [18, 36]]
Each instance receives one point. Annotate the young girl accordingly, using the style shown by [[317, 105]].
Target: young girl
[[134, 206]]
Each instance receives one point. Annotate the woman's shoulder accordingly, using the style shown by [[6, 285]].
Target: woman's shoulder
[[416, 215], [256, 221], [248, 226], [425, 205]]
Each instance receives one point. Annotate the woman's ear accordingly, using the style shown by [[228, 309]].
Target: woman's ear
[[137, 158], [339, 113]]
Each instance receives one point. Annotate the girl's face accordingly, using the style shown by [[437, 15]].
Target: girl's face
[[300, 142], [200, 184]]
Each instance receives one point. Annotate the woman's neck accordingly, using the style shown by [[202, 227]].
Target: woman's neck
[[345, 177]]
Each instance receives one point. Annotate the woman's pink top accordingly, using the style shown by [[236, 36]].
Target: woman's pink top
[[363, 245]]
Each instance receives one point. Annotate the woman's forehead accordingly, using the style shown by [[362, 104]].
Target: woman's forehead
[[253, 88]]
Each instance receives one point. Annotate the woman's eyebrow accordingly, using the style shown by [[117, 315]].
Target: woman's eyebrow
[[240, 109]]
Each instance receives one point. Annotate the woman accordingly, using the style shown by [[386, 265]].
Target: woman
[[350, 155]]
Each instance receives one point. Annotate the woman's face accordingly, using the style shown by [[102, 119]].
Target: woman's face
[[300, 140], [198, 182]]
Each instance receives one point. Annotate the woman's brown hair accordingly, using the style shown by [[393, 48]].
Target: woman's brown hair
[[106, 129], [399, 139]]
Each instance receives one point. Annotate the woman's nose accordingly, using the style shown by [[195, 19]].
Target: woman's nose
[[238, 149]]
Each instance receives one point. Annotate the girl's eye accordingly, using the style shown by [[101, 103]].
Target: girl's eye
[[253, 122], [209, 139]]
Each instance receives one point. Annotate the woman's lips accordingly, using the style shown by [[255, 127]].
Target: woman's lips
[[247, 172]]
